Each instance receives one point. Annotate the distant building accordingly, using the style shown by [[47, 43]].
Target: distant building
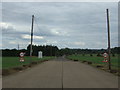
[[40, 54]]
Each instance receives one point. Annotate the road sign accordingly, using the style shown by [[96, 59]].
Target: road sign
[[22, 60], [105, 55], [21, 57], [22, 54]]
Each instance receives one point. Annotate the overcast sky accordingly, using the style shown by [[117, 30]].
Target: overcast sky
[[72, 25]]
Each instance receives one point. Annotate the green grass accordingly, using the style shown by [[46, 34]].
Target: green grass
[[10, 62], [95, 59]]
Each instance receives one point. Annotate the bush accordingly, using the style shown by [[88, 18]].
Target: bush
[[83, 54], [89, 62], [99, 55], [113, 55], [91, 55], [18, 68]]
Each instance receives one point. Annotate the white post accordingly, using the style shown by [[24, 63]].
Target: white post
[[40, 54]]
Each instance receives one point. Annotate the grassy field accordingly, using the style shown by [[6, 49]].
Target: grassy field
[[10, 62], [115, 62]]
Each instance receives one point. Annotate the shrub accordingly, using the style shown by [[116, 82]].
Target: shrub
[[83, 54], [99, 55], [91, 55], [113, 55]]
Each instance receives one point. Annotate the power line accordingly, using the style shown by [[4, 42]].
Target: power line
[[36, 23]]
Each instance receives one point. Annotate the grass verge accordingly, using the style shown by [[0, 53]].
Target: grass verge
[[96, 61], [12, 64]]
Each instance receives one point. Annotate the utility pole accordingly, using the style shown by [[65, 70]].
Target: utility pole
[[108, 28], [18, 46], [51, 49], [31, 50]]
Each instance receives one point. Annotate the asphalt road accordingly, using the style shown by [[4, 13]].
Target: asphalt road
[[61, 73]]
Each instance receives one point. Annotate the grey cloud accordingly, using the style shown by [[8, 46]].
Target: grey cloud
[[62, 23]]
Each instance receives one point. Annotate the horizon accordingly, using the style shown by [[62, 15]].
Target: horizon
[[60, 48]]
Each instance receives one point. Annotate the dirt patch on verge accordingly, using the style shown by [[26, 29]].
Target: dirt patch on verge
[[102, 67], [75, 60], [84, 61]]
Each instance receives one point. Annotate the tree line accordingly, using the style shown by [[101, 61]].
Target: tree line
[[68, 51], [50, 50], [47, 50]]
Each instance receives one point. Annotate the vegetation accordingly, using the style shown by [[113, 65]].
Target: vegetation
[[11, 56], [10, 62], [47, 50], [96, 59], [67, 51], [50, 50]]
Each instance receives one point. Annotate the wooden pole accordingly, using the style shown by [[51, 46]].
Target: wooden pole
[[31, 50], [51, 49], [18, 47], [108, 29]]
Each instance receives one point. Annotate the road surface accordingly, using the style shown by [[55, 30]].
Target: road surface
[[61, 73]]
